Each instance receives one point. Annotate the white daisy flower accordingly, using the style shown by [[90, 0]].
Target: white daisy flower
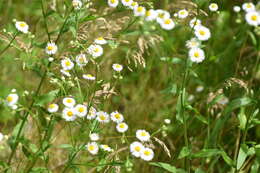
[[142, 135], [102, 117], [195, 23], [150, 15], [95, 50], [100, 40], [136, 149], [117, 67], [139, 11], [133, 5], [51, 59], [12, 99], [213, 7], [67, 64], [167, 24], [92, 147], [196, 55], [121, 127], [53, 108], [14, 107], [89, 77], [69, 102], [248, 6], [127, 2], [1, 136], [167, 121], [106, 148], [162, 15], [117, 117], [199, 88], [202, 33], [69, 114], [113, 3], [147, 154], [77, 4], [81, 110], [192, 43], [51, 48], [94, 136], [253, 18], [22, 26], [236, 9], [81, 60], [65, 72], [91, 113], [183, 14]]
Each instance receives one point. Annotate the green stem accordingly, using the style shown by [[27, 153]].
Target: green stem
[[182, 113], [10, 43], [16, 141]]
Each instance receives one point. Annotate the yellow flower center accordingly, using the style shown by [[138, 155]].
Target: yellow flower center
[[147, 153], [102, 117], [182, 12], [143, 134], [69, 100], [202, 32], [91, 147], [122, 126], [50, 48], [248, 6], [70, 113], [81, 109], [81, 59], [148, 13], [134, 4], [196, 54], [22, 24], [100, 38], [137, 148], [96, 50], [105, 146], [254, 18], [213, 5], [117, 116], [9, 98], [127, 0], [51, 106], [140, 9], [167, 21], [68, 63], [161, 15]]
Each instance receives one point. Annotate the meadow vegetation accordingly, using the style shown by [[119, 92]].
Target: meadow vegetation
[[142, 86]]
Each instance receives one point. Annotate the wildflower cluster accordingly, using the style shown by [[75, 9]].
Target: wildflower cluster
[[162, 17]]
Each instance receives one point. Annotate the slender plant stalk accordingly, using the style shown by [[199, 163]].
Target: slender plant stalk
[[10, 43], [182, 113], [16, 141], [26, 114]]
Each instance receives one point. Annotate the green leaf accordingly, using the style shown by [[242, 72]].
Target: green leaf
[[185, 151], [167, 167], [234, 104], [198, 170], [255, 167], [242, 119], [227, 159], [178, 110], [242, 155], [65, 146], [207, 153], [46, 98]]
